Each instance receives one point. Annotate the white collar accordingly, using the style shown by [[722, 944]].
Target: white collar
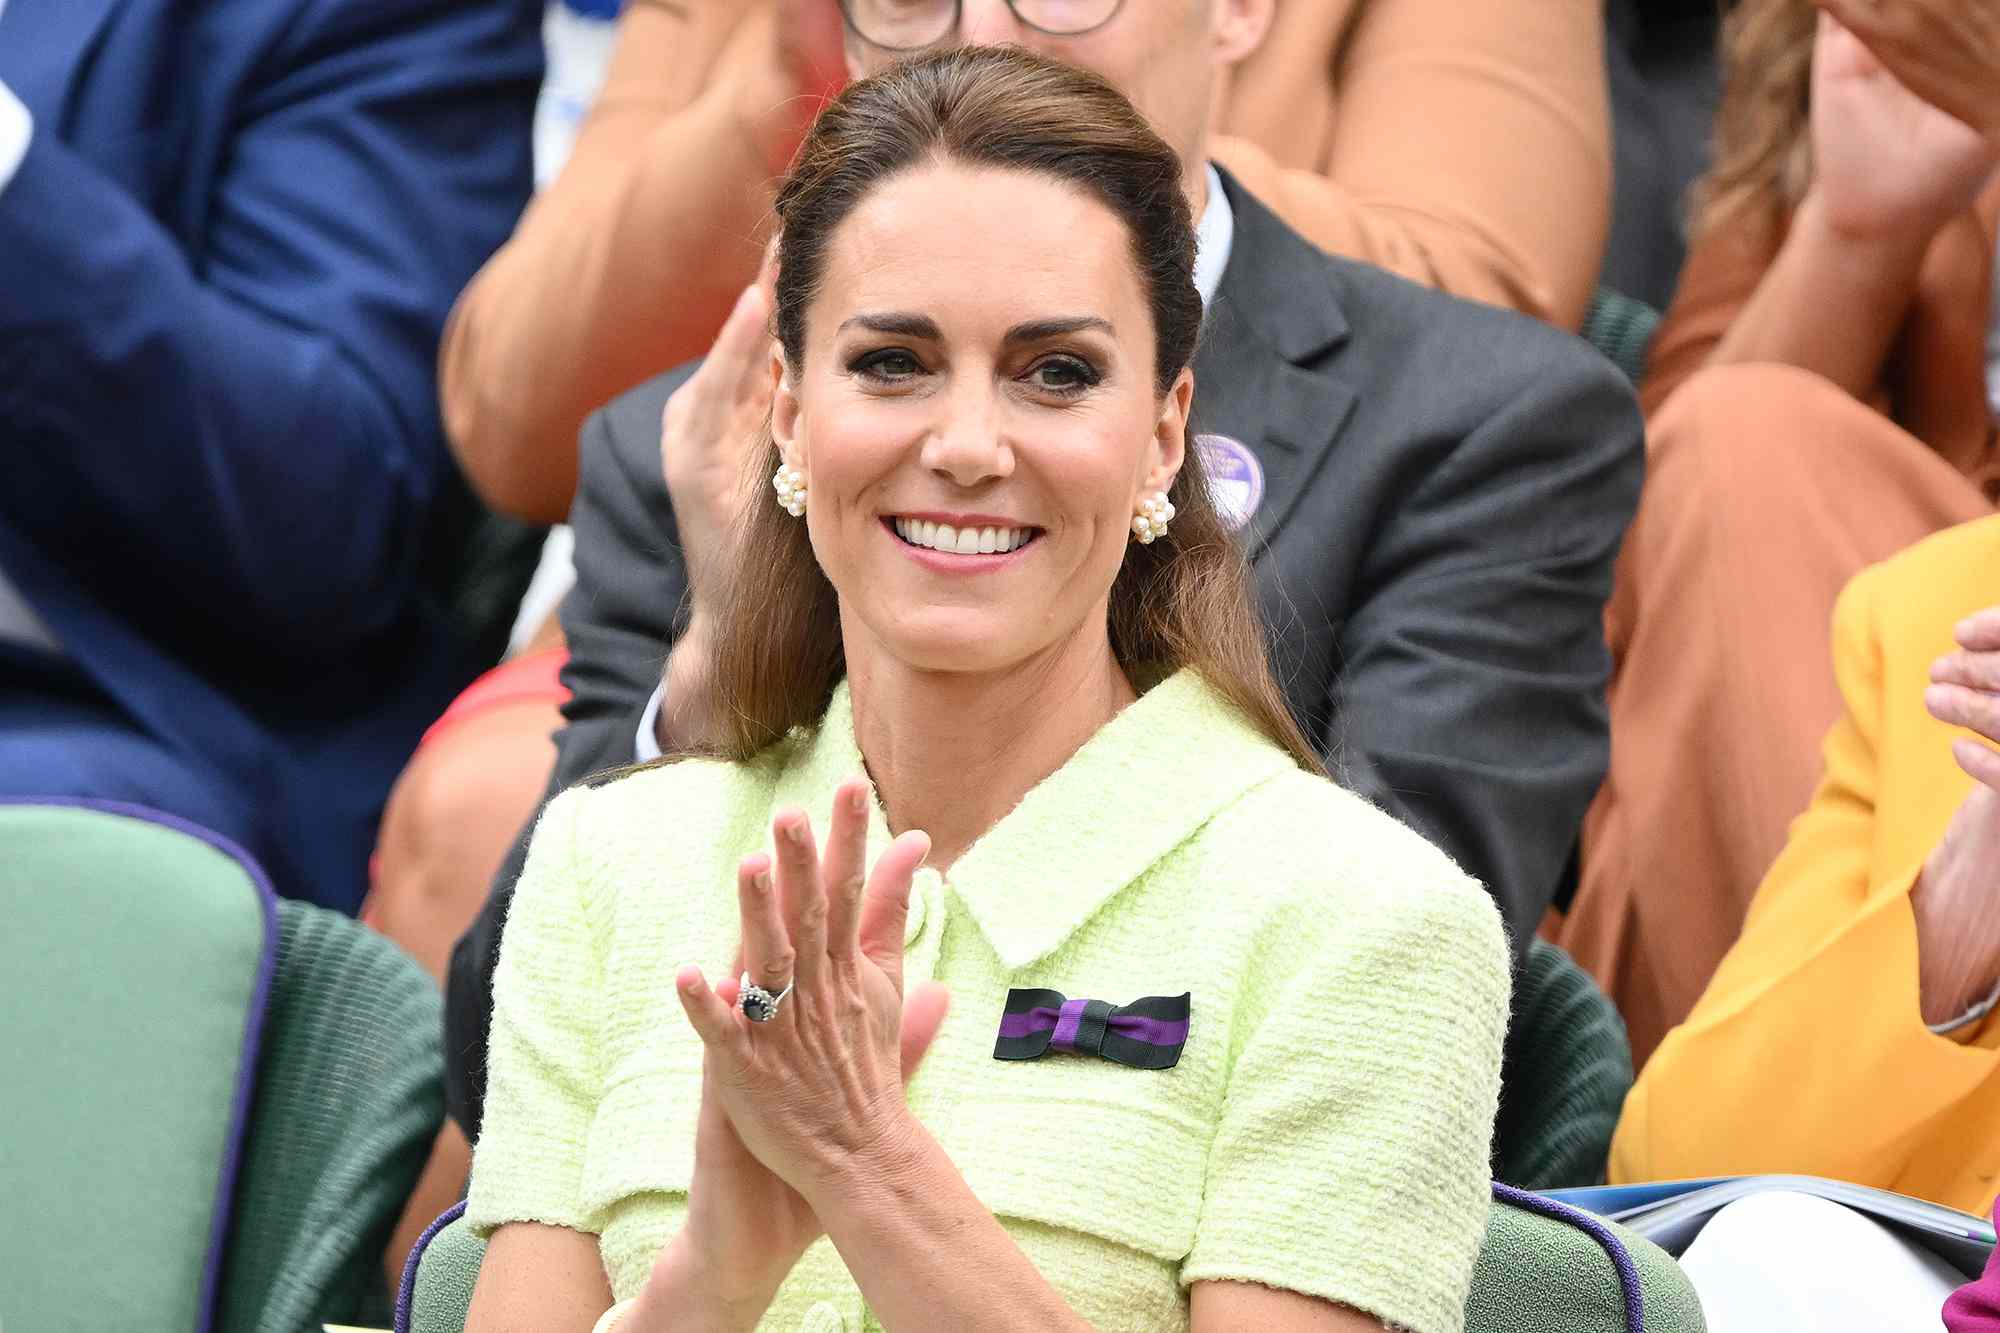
[[1213, 236]]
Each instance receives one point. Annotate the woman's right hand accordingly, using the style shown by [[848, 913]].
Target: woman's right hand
[[1957, 896], [1887, 165], [745, 1228]]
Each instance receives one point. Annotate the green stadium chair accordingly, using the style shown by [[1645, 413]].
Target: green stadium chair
[[1545, 1268], [133, 967], [215, 1103]]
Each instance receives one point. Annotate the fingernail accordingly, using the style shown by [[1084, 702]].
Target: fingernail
[[796, 832], [1939, 698], [857, 800], [762, 879]]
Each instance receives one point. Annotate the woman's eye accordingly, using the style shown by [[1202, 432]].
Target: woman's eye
[[1063, 374], [886, 365]]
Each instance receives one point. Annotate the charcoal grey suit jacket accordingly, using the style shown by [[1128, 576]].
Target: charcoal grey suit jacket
[[1446, 487]]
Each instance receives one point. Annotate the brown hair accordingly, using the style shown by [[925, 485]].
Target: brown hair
[[1182, 601], [1762, 158]]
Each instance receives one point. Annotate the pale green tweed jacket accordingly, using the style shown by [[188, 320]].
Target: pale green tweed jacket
[[1326, 1129]]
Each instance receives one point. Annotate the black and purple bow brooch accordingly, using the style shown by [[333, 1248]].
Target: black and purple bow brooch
[[1145, 1034]]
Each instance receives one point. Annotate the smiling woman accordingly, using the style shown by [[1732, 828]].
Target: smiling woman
[[984, 289], [995, 582]]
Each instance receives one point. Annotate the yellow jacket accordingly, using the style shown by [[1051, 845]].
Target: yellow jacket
[[1807, 1052]]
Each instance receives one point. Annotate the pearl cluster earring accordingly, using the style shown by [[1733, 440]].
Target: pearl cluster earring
[[1150, 523], [790, 484]]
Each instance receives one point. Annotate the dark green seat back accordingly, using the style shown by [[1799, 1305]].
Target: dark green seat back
[[349, 1100], [1569, 1066]]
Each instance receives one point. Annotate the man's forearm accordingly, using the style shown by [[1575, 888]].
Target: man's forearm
[[631, 263]]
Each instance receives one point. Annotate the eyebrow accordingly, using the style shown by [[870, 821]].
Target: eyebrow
[[908, 326], [924, 327]]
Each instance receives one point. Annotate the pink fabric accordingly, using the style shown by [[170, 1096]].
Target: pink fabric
[[531, 677], [1975, 1307]]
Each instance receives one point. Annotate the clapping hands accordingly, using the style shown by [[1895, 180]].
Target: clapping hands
[[1886, 163], [790, 1103], [1945, 51], [1957, 902]]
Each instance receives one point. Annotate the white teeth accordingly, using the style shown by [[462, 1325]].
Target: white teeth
[[960, 541]]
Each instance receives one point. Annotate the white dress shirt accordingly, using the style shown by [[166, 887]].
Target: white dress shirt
[[1214, 234], [18, 621], [15, 128]]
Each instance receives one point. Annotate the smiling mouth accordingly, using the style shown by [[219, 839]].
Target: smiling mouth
[[947, 540]]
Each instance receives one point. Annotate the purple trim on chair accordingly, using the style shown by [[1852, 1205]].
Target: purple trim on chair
[[1621, 1258], [406, 1291], [253, 1020]]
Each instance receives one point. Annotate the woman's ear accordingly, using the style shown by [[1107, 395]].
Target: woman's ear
[[784, 410], [1171, 433], [1240, 28]]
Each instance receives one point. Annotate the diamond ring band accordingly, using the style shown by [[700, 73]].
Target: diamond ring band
[[759, 1005]]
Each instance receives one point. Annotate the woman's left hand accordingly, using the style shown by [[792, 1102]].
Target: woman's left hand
[[821, 1085]]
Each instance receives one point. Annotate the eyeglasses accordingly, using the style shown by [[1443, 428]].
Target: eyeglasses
[[910, 25]]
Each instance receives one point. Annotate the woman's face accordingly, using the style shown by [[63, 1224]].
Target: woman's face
[[976, 416]]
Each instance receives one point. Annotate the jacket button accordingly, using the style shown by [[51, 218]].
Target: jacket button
[[823, 1318]]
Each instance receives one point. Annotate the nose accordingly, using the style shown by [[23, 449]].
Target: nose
[[989, 23], [968, 446]]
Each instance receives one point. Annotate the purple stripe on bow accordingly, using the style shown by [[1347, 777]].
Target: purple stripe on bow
[[1063, 1022], [1066, 1025]]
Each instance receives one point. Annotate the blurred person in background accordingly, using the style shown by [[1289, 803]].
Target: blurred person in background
[[1466, 148], [451, 816], [229, 235], [1850, 1032], [1821, 394]]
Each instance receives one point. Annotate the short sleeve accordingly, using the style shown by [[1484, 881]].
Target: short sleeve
[[1351, 1162], [544, 1076]]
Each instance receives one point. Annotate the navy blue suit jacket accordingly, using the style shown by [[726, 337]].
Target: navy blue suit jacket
[[225, 264]]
